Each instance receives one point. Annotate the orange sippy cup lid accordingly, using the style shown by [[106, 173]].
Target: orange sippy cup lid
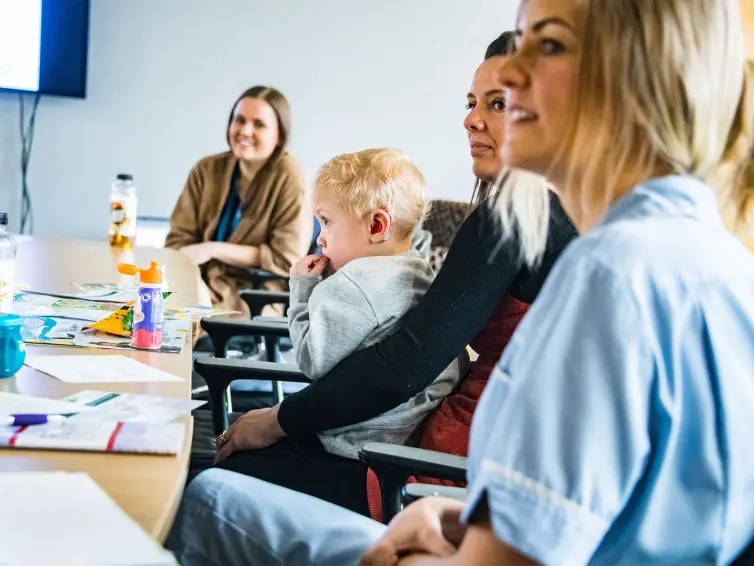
[[153, 275]]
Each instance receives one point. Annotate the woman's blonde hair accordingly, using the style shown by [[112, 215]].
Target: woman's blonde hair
[[522, 202], [661, 88], [738, 192], [378, 178]]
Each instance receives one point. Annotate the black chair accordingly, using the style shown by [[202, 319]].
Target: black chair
[[222, 329], [392, 464], [414, 491], [218, 374]]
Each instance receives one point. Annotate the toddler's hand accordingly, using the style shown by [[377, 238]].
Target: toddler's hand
[[311, 265]]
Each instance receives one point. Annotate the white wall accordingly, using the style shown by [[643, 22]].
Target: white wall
[[163, 73]]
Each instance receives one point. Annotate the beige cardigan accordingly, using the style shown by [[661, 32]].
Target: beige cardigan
[[277, 220]]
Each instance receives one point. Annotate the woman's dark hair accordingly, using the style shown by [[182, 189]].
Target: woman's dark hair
[[503, 45], [282, 110]]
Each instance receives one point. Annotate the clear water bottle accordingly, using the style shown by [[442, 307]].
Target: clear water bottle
[[7, 265], [123, 212]]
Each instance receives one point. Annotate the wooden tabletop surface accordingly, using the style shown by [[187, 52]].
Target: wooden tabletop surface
[[148, 488]]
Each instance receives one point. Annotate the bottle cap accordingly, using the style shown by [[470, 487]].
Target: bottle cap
[[153, 275], [3, 218], [125, 177]]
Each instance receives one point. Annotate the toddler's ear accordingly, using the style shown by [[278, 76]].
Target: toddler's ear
[[379, 230]]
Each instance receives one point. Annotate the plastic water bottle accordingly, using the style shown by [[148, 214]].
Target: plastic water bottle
[[7, 265], [123, 212], [146, 329]]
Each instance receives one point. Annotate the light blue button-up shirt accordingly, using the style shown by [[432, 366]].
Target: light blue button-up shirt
[[618, 427]]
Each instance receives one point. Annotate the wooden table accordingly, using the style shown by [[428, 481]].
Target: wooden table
[[148, 488]]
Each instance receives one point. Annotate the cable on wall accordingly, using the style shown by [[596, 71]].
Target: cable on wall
[[27, 140]]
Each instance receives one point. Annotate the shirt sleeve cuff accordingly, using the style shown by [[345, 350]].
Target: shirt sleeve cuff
[[302, 287], [534, 520]]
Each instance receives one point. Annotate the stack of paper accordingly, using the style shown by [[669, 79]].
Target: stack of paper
[[99, 421], [59, 519], [90, 435]]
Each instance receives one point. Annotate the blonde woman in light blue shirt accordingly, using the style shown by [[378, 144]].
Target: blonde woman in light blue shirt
[[618, 426]]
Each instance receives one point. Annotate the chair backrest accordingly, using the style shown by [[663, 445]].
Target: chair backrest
[[443, 221], [422, 241]]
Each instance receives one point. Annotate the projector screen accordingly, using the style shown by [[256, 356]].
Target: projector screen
[[43, 46], [20, 41]]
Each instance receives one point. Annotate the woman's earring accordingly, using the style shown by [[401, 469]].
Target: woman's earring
[[387, 236]]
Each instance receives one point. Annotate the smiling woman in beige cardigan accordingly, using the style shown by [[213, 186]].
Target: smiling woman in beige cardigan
[[246, 207]]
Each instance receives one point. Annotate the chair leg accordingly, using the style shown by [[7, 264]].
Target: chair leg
[[218, 403], [220, 344], [390, 488], [272, 347], [229, 397]]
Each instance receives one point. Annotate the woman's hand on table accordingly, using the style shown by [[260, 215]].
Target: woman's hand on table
[[430, 526], [256, 429], [199, 254]]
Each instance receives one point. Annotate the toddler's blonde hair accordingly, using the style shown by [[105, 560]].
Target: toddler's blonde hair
[[364, 181]]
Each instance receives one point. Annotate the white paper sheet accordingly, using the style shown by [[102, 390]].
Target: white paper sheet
[[14, 404], [58, 519], [132, 408], [97, 369]]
